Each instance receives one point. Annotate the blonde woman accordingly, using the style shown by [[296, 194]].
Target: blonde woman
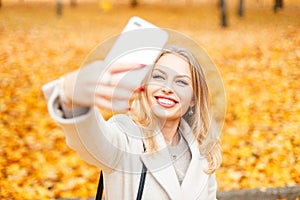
[[166, 131]]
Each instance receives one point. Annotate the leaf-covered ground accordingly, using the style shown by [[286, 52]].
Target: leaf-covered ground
[[258, 57]]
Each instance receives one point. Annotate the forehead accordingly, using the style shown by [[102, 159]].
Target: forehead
[[175, 63]]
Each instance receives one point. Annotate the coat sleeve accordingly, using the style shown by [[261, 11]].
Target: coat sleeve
[[212, 187], [97, 141]]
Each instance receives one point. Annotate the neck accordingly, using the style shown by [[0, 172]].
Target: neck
[[170, 132]]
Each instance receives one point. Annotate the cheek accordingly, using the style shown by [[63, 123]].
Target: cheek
[[185, 95], [150, 89], [184, 92]]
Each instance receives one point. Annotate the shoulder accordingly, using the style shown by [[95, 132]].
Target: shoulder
[[124, 123], [122, 120]]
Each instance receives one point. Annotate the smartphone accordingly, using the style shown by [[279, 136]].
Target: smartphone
[[140, 42]]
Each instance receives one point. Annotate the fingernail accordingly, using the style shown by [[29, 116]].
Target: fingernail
[[142, 89]]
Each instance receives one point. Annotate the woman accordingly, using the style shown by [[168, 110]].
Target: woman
[[167, 127]]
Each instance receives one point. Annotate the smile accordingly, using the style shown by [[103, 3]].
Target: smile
[[165, 101]]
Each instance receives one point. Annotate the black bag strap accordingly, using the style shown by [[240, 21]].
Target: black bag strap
[[139, 195], [142, 179], [100, 187]]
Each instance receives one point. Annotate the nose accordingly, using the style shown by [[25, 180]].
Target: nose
[[167, 89]]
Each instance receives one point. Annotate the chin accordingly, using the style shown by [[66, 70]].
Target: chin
[[165, 115]]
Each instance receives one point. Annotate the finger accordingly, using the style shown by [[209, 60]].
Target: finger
[[131, 79], [111, 92], [106, 78], [117, 71], [123, 67], [115, 106], [139, 89]]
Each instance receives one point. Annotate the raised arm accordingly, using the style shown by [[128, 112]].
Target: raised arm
[[73, 102]]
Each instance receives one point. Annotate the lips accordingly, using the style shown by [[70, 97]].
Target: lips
[[166, 102]]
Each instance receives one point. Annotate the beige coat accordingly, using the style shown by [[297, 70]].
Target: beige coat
[[116, 147]]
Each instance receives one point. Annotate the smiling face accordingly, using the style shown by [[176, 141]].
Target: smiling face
[[170, 91]]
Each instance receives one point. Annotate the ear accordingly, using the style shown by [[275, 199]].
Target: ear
[[193, 102]]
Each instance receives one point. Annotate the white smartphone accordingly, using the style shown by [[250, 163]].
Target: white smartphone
[[140, 42]]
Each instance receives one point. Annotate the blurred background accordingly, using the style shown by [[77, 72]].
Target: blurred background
[[255, 45]]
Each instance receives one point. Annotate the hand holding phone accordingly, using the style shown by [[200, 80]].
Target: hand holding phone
[[124, 68], [139, 43]]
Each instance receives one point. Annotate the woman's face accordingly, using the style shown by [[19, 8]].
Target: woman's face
[[170, 91]]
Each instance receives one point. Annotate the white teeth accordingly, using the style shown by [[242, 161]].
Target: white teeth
[[166, 101]]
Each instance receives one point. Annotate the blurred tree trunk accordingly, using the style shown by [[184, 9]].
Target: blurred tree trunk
[[133, 3], [241, 8], [58, 7], [223, 13], [278, 4], [73, 3]]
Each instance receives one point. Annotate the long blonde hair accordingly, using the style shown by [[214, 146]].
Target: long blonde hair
[[200, 121]]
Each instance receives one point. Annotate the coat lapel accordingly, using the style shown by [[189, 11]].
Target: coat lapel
[[159, 164], [195, 178]]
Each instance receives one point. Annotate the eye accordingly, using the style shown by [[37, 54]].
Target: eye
[[182, 82], [158, 77]]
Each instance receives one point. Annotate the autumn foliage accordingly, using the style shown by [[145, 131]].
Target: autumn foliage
[[258, 58]]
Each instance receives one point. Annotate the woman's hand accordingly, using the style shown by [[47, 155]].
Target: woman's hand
[[109, 89]]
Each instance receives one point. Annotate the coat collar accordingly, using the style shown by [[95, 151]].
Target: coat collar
[[159, 164]]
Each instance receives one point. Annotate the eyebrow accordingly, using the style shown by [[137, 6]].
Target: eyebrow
[[163, 72]]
